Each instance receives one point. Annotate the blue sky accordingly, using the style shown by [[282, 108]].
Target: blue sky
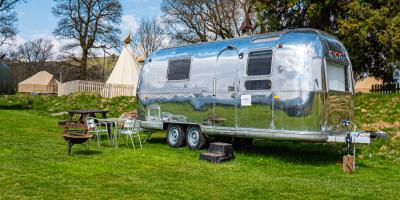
[[36, 21]]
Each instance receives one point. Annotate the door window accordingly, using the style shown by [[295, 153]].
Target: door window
[[259, 63]]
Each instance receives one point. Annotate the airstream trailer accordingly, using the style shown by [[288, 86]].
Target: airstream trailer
[[290, 85]]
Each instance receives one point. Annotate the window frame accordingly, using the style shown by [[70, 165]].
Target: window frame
[[347, 85], [258, 80], [180, 58], [259, 77], [248, 60]]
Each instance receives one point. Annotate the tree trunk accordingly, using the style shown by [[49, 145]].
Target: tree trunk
[[83, 65]]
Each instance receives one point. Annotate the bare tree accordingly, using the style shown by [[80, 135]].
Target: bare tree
[[34, 54], [149, 37], [39, 51], [203, 20], [248, 10], [8, 20], [88, 25]]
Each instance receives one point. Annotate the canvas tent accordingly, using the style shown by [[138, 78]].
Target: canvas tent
[[365, 85], [42, 83], [126, 70]]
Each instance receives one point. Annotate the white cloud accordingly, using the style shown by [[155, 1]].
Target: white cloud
[[166, 42], [18, 41], [58, 43], [129, 24], [11, 45]]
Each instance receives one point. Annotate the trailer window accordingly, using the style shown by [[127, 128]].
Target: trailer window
[[337, 77], [258, 85], [179, 69], [259, 63]]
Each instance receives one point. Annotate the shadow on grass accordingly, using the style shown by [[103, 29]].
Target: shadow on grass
[[85, 152], [296, 152], [15, 107], [288, 151], [157, 140]]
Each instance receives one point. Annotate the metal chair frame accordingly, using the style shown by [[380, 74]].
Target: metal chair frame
[[93, 128], [131, 129]]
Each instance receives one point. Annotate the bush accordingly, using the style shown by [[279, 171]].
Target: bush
[[15, 101]]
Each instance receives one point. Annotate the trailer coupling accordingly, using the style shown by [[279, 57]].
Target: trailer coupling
[[360, 137]]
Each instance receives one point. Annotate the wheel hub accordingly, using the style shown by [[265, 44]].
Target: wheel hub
[[193, 137], [173, 135]]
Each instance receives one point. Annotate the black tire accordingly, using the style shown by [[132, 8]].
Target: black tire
[[195, 139], [176, 135]]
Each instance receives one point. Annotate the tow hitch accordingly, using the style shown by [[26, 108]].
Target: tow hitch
[[351, 138]]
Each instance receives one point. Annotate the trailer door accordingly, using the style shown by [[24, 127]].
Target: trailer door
[[294, 102], [254, 110], [225, 89]]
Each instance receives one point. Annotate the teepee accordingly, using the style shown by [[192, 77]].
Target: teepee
[[126, 70]]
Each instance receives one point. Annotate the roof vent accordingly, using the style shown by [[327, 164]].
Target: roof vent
[[266, 39]]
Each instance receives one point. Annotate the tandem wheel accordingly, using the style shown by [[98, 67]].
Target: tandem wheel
[[176, 135], [195, 139]]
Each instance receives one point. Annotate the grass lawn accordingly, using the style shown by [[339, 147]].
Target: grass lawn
[[34, 165]]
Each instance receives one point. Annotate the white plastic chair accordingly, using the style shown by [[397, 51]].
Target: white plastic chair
[[95, 129], [131, 129]]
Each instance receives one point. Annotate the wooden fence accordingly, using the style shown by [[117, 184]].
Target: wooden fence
[[107, 90], [386, 88]]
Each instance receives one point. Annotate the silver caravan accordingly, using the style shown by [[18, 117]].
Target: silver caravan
[[290, 85]]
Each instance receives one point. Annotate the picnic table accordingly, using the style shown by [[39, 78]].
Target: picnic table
[[81, 122]]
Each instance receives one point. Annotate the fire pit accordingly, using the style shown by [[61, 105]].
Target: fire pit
[[75, 138]]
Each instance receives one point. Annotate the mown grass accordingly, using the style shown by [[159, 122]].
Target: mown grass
[[34, 164]]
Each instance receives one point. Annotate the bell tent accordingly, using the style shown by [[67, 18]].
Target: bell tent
[[126, 70], [42, 83], [365, 85]]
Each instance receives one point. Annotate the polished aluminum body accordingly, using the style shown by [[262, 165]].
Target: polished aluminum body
[[299, 105]]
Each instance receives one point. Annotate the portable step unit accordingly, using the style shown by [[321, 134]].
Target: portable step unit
[[218, 152]]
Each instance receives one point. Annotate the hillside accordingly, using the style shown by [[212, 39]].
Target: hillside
[[381, 112]]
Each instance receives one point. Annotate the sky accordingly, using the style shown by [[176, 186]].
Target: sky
[[36, 21]]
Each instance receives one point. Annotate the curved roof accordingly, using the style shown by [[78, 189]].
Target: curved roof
[[4, 71], [271, 34], [290, 36]]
